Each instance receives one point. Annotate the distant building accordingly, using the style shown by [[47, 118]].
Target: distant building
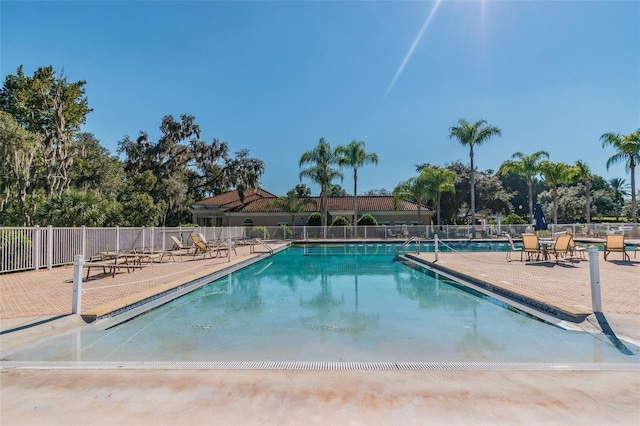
[[228, 210]]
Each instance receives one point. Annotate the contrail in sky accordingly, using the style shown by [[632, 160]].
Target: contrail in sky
[[413, 47]]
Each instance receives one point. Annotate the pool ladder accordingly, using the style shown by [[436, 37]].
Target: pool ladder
[[262, 243], [415, 240]]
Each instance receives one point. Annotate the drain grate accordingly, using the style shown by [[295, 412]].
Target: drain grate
[[320, 366]]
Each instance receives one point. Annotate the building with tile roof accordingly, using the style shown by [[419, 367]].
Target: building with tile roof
[[255, 209]]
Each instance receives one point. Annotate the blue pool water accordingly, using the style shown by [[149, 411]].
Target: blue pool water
[[331, 303]]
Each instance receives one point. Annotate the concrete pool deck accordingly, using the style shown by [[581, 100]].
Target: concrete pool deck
[[168, 395]]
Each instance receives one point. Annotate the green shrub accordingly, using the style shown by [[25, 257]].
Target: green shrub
[[513, 219], [340, 221], [259, 232], [284, 232], [367, 220], [315, 219]]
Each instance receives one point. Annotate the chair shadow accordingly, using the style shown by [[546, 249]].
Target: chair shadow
[[564, 263], [623, 262]]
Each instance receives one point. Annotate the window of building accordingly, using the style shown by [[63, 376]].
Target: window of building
[[248, 222]]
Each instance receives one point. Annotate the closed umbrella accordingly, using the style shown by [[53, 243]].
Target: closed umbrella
[[539, 222]]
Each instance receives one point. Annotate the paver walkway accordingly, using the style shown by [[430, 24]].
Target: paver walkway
[[39, 293]]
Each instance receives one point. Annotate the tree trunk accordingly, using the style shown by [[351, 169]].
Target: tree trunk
[[473, 197], [530, 185], [588, 197], [355, 197], [555, 207], [634, 202]]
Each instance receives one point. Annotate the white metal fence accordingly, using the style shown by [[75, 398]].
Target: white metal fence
[[24, 248]]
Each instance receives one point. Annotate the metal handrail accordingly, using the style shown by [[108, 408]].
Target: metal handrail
[[409, 241], [262, 243]]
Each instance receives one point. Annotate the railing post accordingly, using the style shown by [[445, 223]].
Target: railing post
[[76, 303], [84, 240], [435, 241], [49, 247], [594, 272], [36, 247]]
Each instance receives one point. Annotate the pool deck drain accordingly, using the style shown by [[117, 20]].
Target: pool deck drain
[[321, 365]]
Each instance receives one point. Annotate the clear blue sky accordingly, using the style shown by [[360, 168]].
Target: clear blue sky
[[276, 76]]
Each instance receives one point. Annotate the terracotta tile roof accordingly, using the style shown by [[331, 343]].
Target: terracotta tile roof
[[232, 199], [365, 204]]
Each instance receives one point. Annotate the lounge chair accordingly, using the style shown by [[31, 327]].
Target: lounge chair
[[218, 246], [200, 247], [512, 247], [177, 249], [615, 243], [530, 247], [562, 248], [113, 261]]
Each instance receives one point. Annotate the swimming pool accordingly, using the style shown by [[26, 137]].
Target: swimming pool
[[331, 303]]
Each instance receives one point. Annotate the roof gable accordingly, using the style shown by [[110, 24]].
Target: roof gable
[[231, 199]]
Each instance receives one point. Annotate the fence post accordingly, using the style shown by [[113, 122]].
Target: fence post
[[435, 241], [36, 247], [594, 272], [84, 240], [76, 303], [49, 247], [229, 249]]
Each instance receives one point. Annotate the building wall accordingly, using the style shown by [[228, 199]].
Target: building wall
[[274, 219]]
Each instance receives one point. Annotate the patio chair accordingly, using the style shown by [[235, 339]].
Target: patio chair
[[574, 249], [615, 243], [512, 247], [200, 247], [561, 247], [530, 247]]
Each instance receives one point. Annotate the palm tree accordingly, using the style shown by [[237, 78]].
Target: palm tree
[[353, 155], [320, 159], [555, 174], [628, 147], [414, 190], [582, 172], [620, 189], [291, 204], [527, 166], [439, 181], [473, 134]]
